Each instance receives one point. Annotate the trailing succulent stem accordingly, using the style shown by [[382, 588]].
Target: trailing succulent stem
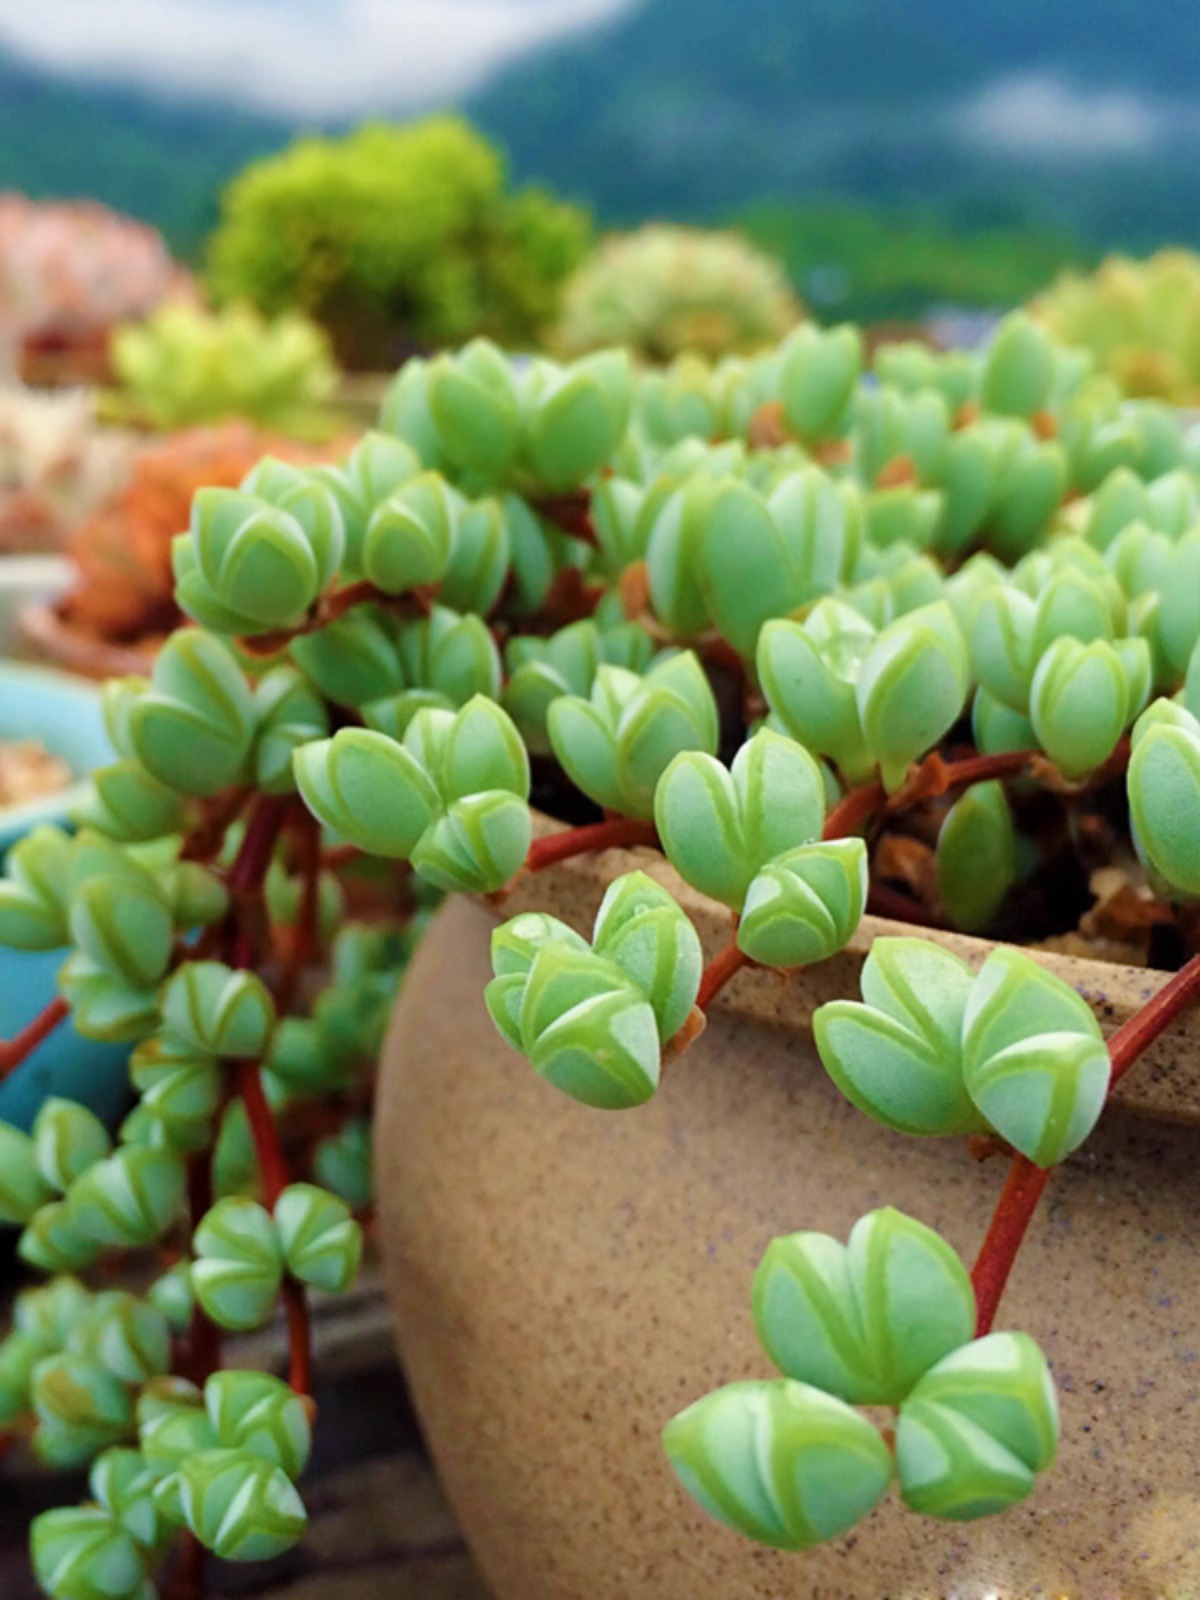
[[929, 647]]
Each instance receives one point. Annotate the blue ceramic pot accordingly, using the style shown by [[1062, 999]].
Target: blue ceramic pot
[[64, 713]]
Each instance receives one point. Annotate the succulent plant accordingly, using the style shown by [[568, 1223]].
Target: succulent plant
[[396, 237], [185, 367], [1137, 318], [663, 290], [70, 273], [57, 466], [929, 645]]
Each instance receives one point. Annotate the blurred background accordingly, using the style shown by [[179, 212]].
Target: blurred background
[[895, 157]]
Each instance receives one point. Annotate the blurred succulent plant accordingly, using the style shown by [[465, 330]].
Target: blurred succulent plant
[[396, 238], [1140, 320], [69, 274], [913, 632], [185, 366], [56, 466], [664, 290]]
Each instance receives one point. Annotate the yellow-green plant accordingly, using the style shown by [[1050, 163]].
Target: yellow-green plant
[[665, 290], [1140, 319], [394, 237], [186, 366]]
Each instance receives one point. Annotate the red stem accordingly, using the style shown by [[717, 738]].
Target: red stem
[[607, 835], [340, 855], [299, 1326], [933, 777], [258, 845], [1026, 1183], [723, 966], [1010, 1221], [274, 1174], [304, 942], [15, 1050], [1136, 1035], [981, 769], [263, 1131], [570, 511], [853, 809], [187, 1575]]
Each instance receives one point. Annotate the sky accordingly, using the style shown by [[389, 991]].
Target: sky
[[320, 58]]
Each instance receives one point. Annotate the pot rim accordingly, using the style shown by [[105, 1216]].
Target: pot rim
[[45, 630], [1165, 1084]]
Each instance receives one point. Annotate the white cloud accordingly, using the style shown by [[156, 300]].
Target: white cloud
[[314, 57], [1037, 114]]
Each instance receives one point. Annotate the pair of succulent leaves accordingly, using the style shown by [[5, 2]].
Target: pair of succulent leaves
[[936, 1048], [888, 1319]]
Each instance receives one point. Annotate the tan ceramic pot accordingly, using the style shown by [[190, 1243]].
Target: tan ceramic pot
[[564, 1280]]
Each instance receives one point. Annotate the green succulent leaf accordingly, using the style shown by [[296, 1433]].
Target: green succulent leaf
[[976, 856], [238, 1265], [578, 420], [863, 1321], [52, 1242], [193, 729], [1018, 370], [352, 660], [321, 1241], [368, 788], [24, 1187], [19, 1355], [130, 1198], [616, 745], [977, 1429], [808, 672], [473, 406], [587, 1029], [238, 1505], [105, 1007], [720, 827], [779, 1462], [34, 895], [127, 1335], [85, 1553], [410, 537], [805, 905], [81, 1404], [1034, 1059], [219, 1011], [343, 1163], [1080, 702], [819, 372], [898, 1055], [123, 1484], [262, 1415], [649, 936], [67, 1139], [1163, 784], [172, 1424], [125, 928], [478, 845], [129, 804], [911, 688]]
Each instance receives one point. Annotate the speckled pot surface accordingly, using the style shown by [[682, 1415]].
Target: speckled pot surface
[[564, 1280]]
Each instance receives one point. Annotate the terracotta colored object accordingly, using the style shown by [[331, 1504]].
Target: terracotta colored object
[[564, 1280], [121, 607]]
